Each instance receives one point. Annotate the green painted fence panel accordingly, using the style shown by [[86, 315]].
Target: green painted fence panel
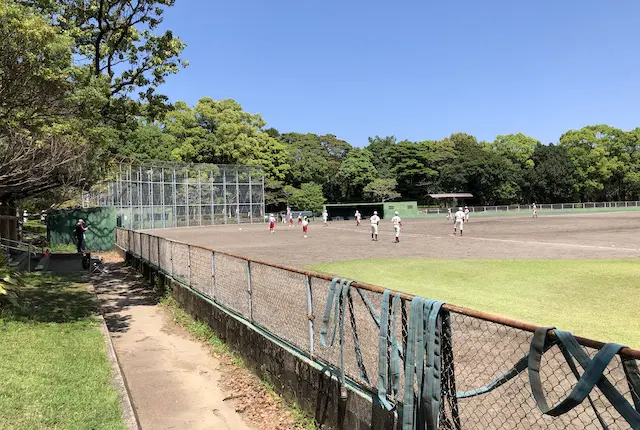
[[404, 209], [101, 223]]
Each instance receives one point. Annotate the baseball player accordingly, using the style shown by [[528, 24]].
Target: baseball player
[[375, 221], [459, 221], [535, 210], [397, 225], [272, 223], [449, 216], [358, 217], [466, 214], [299, 218], [325, 217], [305, 226]]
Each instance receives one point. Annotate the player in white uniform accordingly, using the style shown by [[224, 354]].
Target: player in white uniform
[[358, 217], [397, 225], [466, 214], [535, 210], [459, 221], [325, 217], [305, 226], [289, 216], [375, 221], [272, 223], [449, 216]]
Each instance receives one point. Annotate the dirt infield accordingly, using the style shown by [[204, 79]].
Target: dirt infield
[[573, 236]]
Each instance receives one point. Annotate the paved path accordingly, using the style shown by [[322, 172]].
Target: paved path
[[172, 378]]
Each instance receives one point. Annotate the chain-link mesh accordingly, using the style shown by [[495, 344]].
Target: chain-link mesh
[[280, 303], [180, 261], [231, 283], [160, 195], [144, 247], [154, 250], [201, 277], [136, 243], [165, 255], [477, 352]]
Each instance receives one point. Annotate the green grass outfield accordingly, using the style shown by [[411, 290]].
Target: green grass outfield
[[599, 299], [55, 371], [541, 212]]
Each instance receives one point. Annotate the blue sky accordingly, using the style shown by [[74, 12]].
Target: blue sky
[[418, 69]]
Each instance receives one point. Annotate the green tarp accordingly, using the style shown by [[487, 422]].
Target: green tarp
[[101, 223]]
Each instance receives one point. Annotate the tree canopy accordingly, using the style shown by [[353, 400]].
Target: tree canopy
[[80, 82]]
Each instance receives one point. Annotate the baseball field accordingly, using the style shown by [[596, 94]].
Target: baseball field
[[576, 271]]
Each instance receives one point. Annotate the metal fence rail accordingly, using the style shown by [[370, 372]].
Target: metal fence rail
[[541, 207], [289, 303]]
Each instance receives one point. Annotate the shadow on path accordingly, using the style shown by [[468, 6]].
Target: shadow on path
[[119, 289]]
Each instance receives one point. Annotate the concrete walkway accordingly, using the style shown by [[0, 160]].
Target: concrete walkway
[[172, 378]]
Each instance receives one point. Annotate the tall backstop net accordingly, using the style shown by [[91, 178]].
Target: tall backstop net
[[161, 195]]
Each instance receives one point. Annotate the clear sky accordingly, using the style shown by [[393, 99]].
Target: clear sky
[[416, 69]]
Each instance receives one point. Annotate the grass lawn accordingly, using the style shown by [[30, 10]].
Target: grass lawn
[[53, 359], [599, 299]]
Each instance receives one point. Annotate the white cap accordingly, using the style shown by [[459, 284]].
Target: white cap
[[396, 212], [375, 212], [459, 209]]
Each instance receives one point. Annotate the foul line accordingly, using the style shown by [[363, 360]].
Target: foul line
[[572, 245]]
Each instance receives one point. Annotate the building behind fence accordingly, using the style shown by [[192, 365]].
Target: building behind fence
[[161, 195], [289, 304]]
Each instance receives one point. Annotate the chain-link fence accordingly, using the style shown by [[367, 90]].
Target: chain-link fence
[[484, 384], [161, 195], [546, 207]]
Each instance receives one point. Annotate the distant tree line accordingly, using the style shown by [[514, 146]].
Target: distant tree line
[[78, 89], [594, 163]]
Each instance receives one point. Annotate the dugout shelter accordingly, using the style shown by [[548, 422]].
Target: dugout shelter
[[346, 211]]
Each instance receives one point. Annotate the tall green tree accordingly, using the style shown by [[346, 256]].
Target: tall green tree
[[516, 147], [355, 172], [381, 190], [220, 132], [412, 168], [315, 158], [381, 149], [118, 41], [597, 154], [552, 179], [309, 197], [45, 134]]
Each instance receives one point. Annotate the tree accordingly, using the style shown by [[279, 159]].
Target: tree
[[115, 41], [516, 147], [44, 132], [382, 189], [220, 132], [34, 69], [411, 163], [315, 158], [148, 141], [491, 178], [29, 166], [309, 197], [597, 153], [381, 154], [355, 172], [552, 178]]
